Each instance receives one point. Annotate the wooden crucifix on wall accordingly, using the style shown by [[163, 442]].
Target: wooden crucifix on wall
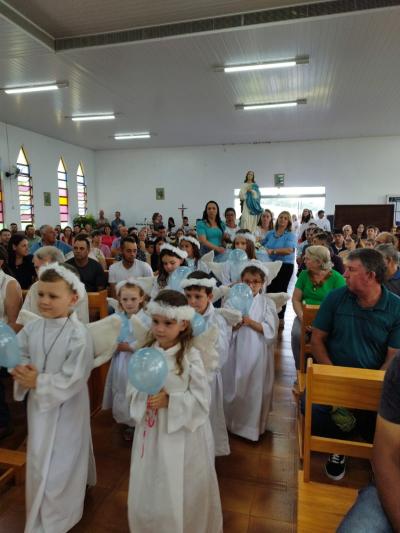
[[182, 209]]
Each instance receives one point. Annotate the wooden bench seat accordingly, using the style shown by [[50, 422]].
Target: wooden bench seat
[[14, 461]]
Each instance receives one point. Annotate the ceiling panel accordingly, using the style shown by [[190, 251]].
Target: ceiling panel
[[171, 89], [82, 17]]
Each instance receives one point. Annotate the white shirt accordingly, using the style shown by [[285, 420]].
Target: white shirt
[[119, 273], [231, 232], [323, 223]]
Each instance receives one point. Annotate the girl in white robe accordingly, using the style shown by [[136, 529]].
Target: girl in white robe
[[248, 375], [57, 358], [171, 258], [131, 299], [173, 486], [192, 247], [245, 241]]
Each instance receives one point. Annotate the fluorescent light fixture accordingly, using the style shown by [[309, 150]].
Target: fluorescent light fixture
[[35, 88], [127, 136], [82, 118], [267, 65], [270, 105]]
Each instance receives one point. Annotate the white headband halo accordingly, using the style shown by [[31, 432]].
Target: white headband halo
[[190, 239], [71, 278], [248, 236], [193, 282], [146, 284], [178, 313], [259, 264], [177, 251]]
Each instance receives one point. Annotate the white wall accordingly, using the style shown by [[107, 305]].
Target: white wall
[[43, 155], [353, 171]]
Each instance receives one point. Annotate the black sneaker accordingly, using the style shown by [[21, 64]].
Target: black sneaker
[[335, 467]]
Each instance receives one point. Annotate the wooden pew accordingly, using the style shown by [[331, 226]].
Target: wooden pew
[[14, 461], [98, 309], [321, 507], [309, 314], [110, 261]]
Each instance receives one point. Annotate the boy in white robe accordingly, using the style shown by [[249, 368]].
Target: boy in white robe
[[248, 375], [199, 292], [56, 361]]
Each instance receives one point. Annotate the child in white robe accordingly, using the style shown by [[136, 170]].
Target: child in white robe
[[192, 247], [56, 361], [131, 295], [199, 292], [244, 240], [171, 258], [173, 485], [248, 375]]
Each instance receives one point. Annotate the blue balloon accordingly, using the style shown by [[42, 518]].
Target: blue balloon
[[238, 256], [126, 330], [10, 353], [198, 325], [222, 258], [177, 276], [241, 298], [148, 370]]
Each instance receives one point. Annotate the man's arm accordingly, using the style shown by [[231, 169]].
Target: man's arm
[[391, 352], [318, 346], [101, 281], [386, 464]]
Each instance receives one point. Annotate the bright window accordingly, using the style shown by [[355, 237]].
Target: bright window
[[25, 194], [63, 192], [82, 191]]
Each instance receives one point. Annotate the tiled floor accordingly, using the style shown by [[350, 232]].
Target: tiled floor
[[257, 481]]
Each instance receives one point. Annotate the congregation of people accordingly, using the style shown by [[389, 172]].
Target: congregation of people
[[218, 382]]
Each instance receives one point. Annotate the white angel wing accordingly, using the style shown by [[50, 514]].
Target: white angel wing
[[140, 331], [104, 333], [232, 316], [112, 302], [208, 257], [206, 343], [217, 269], [24, 317], [272, 269], [220, 292], [279, 299]]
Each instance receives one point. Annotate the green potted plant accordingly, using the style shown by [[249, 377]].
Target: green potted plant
[[82, 220]]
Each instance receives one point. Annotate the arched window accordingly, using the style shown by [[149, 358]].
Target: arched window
[[63, 192], [82, 191], [25, 194], [1, 209]]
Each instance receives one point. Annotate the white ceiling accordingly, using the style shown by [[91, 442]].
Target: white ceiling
[[169, 86]]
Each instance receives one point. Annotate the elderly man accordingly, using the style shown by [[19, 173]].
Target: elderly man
[[391, 257], [49, 238], [377, 507], [129, 266], [90, 271], [356, 326]]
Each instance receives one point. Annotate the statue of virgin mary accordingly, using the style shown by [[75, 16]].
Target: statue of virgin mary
[[250, 201]]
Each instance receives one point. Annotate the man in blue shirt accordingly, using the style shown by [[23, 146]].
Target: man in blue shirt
[[48, 235], [118, 221], [356, 326]]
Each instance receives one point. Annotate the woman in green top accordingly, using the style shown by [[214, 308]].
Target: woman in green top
[[312, 286]]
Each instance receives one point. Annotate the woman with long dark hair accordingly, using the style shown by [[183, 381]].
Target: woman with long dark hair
[[20, 261], [210, 229]]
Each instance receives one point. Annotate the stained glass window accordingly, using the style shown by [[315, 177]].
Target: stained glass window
[[82, 191], [25, 194], [63, 192]]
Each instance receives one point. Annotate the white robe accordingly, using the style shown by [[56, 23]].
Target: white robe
[[247, 220], [173, 485], [60, 461], [114, 396], [217, 416], [248, 375]]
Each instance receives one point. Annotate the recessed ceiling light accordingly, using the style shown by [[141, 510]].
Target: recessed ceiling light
[[82, 118], [267, 65], [270, 105], [127, 136], [35, 88]]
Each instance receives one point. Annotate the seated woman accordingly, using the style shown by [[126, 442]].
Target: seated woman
[[312, 286], [20, 261], [351, 245], [44, 256], [10, 293]]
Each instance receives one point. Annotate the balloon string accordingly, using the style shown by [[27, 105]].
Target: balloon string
[[150, 421]]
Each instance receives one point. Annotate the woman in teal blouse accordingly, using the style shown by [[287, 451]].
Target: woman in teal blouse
[[210, 230], [312, 285]]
